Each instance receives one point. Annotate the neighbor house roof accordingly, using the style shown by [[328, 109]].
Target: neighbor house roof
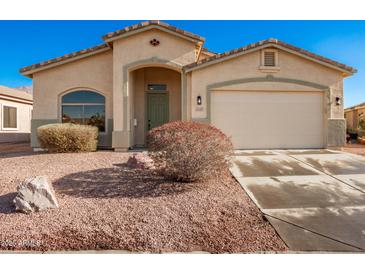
[[12, 94], [64, 59], [151, 24], [271, 42], [361, 105]]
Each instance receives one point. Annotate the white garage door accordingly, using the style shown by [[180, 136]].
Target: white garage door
[[263, 120]]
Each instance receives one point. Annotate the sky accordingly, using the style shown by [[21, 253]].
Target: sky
[[27, 42]]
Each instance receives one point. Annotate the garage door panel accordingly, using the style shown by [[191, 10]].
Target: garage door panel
[[269, 119]]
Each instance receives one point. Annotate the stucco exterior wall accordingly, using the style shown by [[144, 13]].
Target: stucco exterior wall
[[93, 73], [247, 66], [136, 52], [292, 67]]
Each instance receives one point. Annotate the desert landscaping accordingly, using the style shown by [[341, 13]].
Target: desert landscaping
[[103, 204]]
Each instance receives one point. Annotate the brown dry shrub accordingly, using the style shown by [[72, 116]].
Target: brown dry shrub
[[68, 137], [189, 151]]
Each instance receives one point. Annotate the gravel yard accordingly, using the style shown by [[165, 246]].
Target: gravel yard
[[105, 205], [353, 148]]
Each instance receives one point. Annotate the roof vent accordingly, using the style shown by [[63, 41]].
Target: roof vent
[[269, 59]]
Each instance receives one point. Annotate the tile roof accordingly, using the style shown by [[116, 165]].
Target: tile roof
[[142, 25], [205, 50], [273, 42], [65, 57], [11, 92]]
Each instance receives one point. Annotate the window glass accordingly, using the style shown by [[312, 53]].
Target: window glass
[[83, 97], [95, 115], [9, 117], [158, 87], [85, 108], [72, 114]]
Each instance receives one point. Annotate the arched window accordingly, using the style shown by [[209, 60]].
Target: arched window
[[85, 108]]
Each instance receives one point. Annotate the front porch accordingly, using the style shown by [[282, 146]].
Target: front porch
[[154, 97]]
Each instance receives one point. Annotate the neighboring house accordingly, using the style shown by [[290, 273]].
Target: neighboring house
[[353, 116], [265, 95], [15, 115]]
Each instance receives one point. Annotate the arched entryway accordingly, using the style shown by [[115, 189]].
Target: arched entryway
[[155, 98]]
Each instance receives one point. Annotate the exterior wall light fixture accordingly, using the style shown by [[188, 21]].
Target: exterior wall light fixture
[[338, 101], [199, 100]]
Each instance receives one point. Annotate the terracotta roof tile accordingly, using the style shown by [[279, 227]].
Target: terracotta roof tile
[[273, 42], [152, 23], [63, 58]]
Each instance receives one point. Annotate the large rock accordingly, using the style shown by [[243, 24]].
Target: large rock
[[35, 194], [140, 160]]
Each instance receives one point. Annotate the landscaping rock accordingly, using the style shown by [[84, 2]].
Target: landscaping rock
[[140, 160], [35, 194]]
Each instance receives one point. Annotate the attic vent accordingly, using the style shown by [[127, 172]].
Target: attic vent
[[269, 59]]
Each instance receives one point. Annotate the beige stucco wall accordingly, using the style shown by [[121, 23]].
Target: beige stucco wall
[[93, 73], [291, 67], [136, 52], [143, 77], [247, 66]]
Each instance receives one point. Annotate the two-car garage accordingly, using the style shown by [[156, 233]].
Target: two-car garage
[[270, 119]]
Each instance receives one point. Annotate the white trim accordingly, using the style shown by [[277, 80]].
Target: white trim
[[2, 118], [30, 72]]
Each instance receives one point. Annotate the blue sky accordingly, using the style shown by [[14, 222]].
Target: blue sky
[[26, 42]]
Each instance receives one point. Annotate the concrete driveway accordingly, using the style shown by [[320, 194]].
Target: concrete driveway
[[315, 199]]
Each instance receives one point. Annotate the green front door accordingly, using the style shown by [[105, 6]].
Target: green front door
[[157, 109]]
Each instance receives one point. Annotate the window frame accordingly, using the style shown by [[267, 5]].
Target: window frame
[[3, 116], [105, 132]]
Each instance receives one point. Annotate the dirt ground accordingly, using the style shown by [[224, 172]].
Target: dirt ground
[[354, 148], [105, 205]]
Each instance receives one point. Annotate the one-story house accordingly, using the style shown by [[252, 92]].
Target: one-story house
[[15, 115], [265, 95], [353, 115]]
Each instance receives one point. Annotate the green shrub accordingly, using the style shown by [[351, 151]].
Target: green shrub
[[68, 137], [189, 151]]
